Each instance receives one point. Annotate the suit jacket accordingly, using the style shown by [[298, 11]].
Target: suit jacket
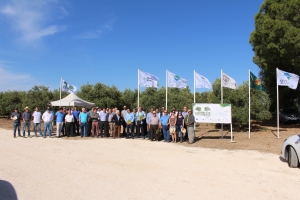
[[118, 122]]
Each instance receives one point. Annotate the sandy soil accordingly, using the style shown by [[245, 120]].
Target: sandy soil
[[262, 136], [58, 168]]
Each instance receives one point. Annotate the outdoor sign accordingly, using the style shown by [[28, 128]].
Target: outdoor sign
[[212, 113]]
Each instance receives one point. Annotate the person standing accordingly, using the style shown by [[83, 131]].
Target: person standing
[[129, 122], [63, 128], [110, 122], [76, 113], [134, 121], [162, 111], [59, 121], [26, 119], [179, 125], [174, 110], [184, 113], [103, 123], [90, 113], [164, 123], [83, 122], [48, 119], [172, 123], [95, 123], [140, 116], [123, 114], [149, 115], [154, 123], [118, 121], [16, 117], [69, 123], [36, 115], [157, 113], [189, 120], [52, 123]]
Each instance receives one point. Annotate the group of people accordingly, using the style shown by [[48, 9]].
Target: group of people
[[110, 122]]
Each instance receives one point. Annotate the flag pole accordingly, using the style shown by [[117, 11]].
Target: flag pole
[[277, 103], [60, 92], [222, 97], [194, 88], [138, 88], [249, 103], [166, 89]]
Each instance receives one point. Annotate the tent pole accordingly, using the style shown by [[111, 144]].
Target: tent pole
[[60, 92]]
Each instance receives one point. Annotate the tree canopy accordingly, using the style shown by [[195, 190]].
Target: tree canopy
[[276, 44]]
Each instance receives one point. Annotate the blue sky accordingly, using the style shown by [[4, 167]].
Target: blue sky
[[108, 41]]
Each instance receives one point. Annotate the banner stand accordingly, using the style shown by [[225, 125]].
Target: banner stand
[[214, 113], [231, 140]]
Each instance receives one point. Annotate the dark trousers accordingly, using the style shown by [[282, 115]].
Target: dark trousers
[[90, 126], [124, 127], [129, 129], [63, 128], [103, 125], [69, 128], [140, 129], [76, 127], [17, 125], [153, 129]]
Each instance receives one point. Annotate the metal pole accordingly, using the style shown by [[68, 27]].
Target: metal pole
[[166, 89], [277, 103], [138, 87], [194, 88], [222, 97], [249, 105], [60, 92]]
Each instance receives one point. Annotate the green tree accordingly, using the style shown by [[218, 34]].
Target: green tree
[[276, 44]]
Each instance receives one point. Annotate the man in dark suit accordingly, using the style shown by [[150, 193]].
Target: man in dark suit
[[118, 120]]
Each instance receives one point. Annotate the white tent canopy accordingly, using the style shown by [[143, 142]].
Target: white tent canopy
[[71, 100]]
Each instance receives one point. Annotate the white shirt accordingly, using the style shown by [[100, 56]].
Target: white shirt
[[36, 116], [69, 118], [47, 117]]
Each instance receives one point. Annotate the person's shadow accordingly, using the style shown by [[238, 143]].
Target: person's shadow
[[7, 191]]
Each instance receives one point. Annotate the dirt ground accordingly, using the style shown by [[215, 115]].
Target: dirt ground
[[263, 136]]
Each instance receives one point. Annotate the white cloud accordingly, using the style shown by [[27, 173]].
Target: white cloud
[[97, 33], [31, 18], [90, 35], [15, 81]]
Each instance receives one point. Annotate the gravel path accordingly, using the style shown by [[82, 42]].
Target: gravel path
[[55, 168]]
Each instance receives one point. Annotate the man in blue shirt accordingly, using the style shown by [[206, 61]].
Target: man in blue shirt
[[140, 116], [16, 116], [129, 119], [83, 122], [76, 113], [164, 123], [59, 121]]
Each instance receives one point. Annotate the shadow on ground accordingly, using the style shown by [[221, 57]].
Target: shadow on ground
[[7, 191]]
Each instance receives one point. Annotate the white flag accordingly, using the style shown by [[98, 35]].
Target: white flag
[[175, 81], [228, 82], [201, 81], [287, 79], [67, 87], [147, 80]]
